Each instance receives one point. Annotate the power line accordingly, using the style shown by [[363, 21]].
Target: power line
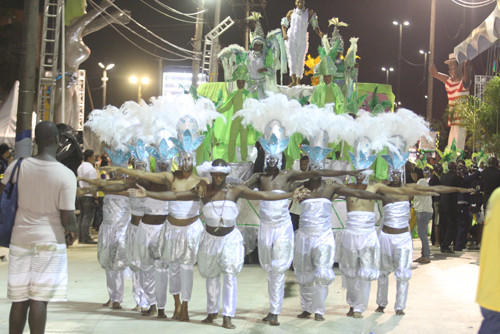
[[167, 15], [147, 30], [183, 57]]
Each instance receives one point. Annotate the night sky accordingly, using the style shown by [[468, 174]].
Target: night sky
[[370, 20]]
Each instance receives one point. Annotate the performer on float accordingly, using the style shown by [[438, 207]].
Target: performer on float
[[457, 85], [234, 103], [259, 59], [267, 55], [339, 75], [294, 28], [221, 248], [328, 91]]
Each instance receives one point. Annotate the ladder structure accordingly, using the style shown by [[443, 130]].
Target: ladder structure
[[47, 76], [80, 95], [208, 53]]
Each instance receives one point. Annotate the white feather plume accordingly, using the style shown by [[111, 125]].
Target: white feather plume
[[406, 124], [259, 113]]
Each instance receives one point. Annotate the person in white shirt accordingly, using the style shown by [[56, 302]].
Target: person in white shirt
[[87, 202], [423, 207], [45, 221]]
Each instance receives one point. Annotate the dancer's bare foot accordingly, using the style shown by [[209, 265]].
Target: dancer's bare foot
[[304, 315], [400, 312], [116, 306], [357, 315], [350, 313], [107, 303], [136, 308], [152, 311], [318, 317], [210, 318], [161, 314], [380, 309], [177, 310], [226, 323], [184, 316], [267, 317]]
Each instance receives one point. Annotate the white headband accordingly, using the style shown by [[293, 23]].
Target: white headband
[[220, 169]]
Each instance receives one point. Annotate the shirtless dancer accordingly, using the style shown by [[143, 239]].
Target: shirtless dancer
[[315, 244], [276, 234], [221, 247], [396, 247]]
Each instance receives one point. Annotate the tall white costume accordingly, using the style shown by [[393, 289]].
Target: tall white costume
[[314, 254], [297, 42], [154, 270], [221, 255], [275, 242], [178, 246], [359, 258], [111, 243], [396, 252]]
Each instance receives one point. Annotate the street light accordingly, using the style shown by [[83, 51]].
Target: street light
[[387, 70], [105, 80], [396, 23], [139, 82]]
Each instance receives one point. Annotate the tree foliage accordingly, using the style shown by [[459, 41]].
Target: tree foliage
[[482, 118]]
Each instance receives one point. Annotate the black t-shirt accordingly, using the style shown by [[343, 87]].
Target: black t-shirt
[[449, 202]]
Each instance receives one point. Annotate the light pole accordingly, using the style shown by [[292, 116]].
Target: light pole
[[396, 23], [105, 80], [387, 70], [139, 82], [426, 55]]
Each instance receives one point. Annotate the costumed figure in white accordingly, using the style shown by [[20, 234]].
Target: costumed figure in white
[[111, 241], [181, 234], [154, 271], [314, 242], [267, 55], [396, 246], [359, 259], [113, 126], [294, 28]]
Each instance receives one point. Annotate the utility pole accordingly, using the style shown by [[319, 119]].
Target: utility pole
[[248, 5], [247, 27], [430, 81], [197, 43], [27, 77], [214, 65]]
